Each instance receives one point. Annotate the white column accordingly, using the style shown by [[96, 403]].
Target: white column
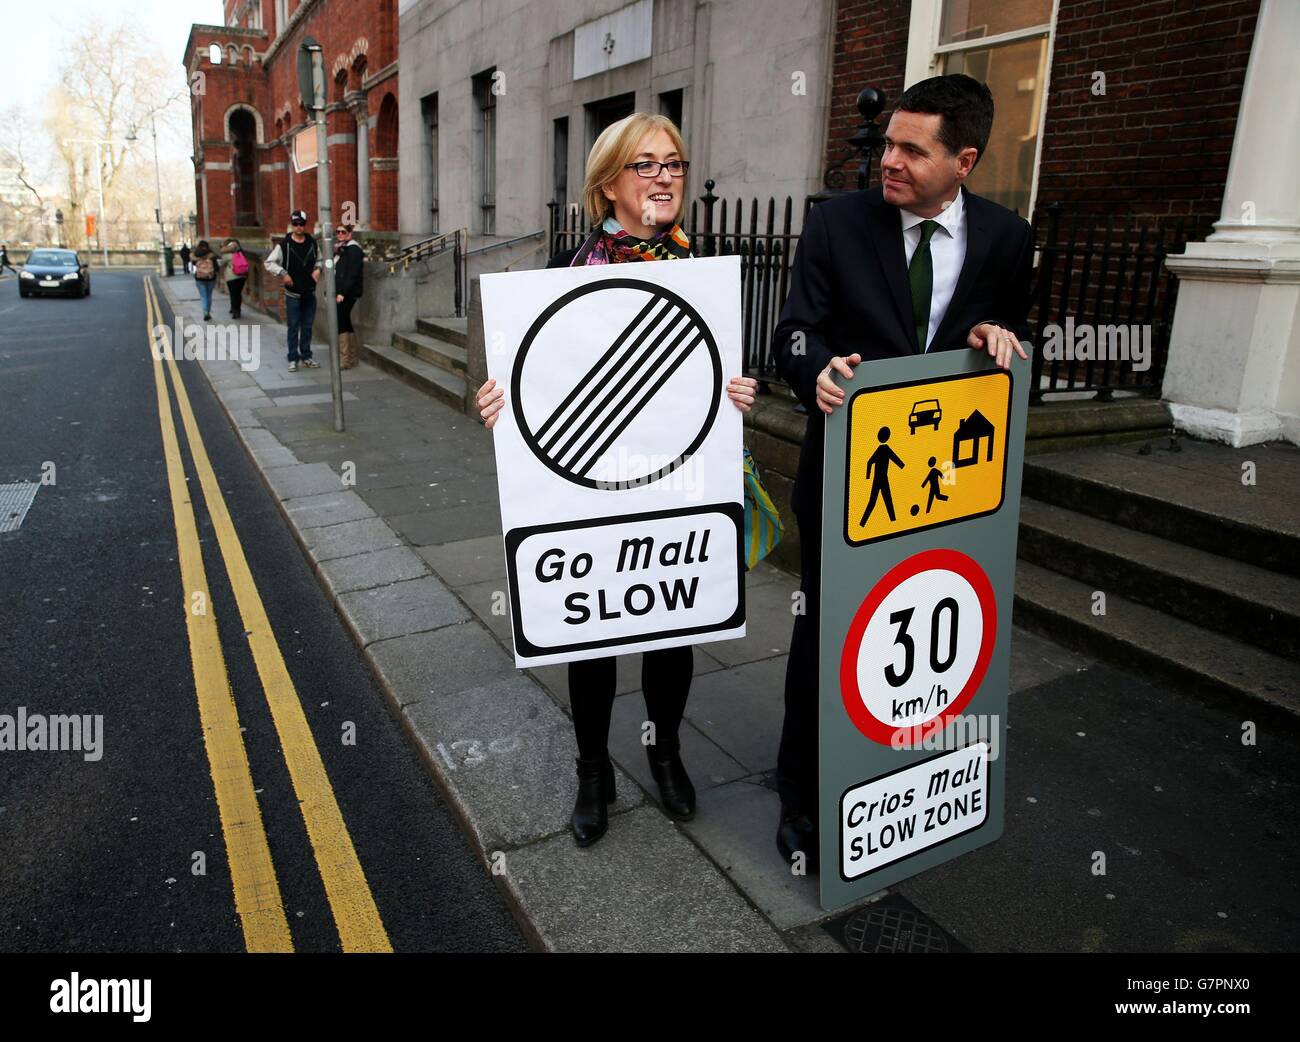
[[363, 164], [1233, 372]]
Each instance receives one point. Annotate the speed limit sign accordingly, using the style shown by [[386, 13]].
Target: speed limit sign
[[919, 646], [921, 505]]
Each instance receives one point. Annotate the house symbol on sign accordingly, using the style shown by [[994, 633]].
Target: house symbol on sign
[[970, 433]]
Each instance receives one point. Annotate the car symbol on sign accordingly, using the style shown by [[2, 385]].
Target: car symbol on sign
[[925, 414]]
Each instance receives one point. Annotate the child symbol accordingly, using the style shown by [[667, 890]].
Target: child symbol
[[932, 479]]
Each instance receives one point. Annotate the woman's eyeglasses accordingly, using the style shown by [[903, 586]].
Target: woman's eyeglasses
[[649, 168]]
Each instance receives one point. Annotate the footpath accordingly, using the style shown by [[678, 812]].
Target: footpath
[[398, 516]]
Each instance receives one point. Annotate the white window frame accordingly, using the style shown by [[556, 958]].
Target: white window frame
[[924, 54]]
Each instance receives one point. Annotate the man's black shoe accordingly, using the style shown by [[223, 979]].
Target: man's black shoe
[[797, 834]]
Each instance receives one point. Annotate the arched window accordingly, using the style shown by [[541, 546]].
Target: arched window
[[386, 132]]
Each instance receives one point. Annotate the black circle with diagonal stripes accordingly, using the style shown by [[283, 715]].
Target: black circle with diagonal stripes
[[657, 294]]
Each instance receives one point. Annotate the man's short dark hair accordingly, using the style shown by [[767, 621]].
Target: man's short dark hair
[[964, 107]]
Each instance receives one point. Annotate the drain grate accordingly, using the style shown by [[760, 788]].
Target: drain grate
[[14, 503], [893, 924]]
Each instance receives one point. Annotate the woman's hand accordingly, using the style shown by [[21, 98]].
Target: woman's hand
[[490, 399], [742, 390]]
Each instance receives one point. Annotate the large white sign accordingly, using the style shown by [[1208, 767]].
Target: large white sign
[[618, 455]]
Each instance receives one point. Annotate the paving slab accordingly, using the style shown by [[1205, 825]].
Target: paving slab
[[350, 537], [645, 887], [742, 709], [328, 508], [377, 568], [303, 479], [468, 561], [507, 754], [453, 658], [768, 622], [399, 609]]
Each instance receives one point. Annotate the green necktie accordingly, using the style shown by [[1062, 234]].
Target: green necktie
[[920, 274]]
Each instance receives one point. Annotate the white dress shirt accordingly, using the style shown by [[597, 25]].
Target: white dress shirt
[[947, 254]]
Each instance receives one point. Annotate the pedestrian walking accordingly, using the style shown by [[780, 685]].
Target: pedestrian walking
[[349, 272], [185, 257], [206, 264], [963, 264], [634, 196], [295, 260], [236, 274], [4, 261]]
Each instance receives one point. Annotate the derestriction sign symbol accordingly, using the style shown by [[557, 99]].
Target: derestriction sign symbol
[[925, 454], [658, 344]]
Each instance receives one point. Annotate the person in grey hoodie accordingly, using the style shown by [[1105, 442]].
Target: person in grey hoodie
[[295, 260]]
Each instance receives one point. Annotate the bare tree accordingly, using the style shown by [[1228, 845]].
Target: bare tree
[[111, 83]]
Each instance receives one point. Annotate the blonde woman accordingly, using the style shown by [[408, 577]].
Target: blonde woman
[[634, 196]]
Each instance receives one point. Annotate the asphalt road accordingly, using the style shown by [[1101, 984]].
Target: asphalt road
[[101, 854]]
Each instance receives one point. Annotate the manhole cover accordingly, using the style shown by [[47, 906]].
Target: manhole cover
[[894, 925], [14, 502]]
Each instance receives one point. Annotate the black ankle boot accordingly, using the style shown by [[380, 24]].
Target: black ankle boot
[[676, 792], [595, 790]]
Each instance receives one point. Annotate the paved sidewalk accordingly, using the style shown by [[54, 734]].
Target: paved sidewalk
[[399, 517]]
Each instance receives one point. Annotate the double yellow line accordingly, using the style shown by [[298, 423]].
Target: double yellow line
[[257, 893]]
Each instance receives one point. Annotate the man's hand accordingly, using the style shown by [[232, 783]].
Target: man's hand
[[315, 274], [338, 298], [997, 341], [829, 394], [286, 279]]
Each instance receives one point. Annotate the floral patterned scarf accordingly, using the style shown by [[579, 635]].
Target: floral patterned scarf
[[611, 244]]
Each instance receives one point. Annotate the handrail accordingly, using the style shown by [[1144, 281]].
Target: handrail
[[434, 244], [506, 242]]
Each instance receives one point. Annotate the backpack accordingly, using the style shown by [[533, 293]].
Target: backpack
[[239, 263], [204, 268]]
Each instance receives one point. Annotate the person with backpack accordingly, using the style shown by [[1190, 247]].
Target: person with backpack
[[206, 264], [296, 261], [236, 275], [349, 267]]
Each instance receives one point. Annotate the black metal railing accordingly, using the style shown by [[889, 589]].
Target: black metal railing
[[1102, 278], [456, 241], [1091, 271]]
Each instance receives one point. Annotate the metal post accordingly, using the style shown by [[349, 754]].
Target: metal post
[[327, 232], [99, 224], [157, 181]]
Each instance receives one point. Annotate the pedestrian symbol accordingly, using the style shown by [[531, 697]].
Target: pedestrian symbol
[[948, 465]]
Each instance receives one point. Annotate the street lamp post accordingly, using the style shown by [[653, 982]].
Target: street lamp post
[[311, 83], [99, 180], [157, 182]]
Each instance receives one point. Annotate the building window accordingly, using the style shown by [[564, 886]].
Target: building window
[[485, 150], [670, 105], [1007, 46], [605, 113], [560, 161], [429, 109], [281, 15]]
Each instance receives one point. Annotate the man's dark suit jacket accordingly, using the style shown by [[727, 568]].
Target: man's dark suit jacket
[[849, 293]]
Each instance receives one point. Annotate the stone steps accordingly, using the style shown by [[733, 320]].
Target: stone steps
[[433, 380], [1205, 663]]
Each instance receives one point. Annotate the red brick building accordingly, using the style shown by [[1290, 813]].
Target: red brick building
[[1116, 107], [245, 108]]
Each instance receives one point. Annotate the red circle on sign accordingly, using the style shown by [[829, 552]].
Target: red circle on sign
[[927, 560]]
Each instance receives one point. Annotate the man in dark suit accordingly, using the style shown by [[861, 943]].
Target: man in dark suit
[[917, 265]]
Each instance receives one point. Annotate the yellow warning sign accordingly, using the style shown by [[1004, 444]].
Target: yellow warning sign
[[926, 454]]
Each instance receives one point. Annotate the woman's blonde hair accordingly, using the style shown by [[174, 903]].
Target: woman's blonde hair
[[613, 150]]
